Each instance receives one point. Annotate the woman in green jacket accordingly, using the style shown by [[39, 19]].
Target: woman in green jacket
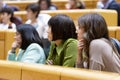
[[63, 48]]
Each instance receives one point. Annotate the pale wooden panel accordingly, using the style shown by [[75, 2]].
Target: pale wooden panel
[[2, 50], [118, 33], [82, 74], [112, 31], [10, 70], [109, 15], [9, 38], [2, 44], [40, 72]]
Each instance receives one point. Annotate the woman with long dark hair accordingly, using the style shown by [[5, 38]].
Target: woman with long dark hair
[[95, 49], [30, 44]]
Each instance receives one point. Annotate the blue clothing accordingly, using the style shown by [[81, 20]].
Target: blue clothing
[[112, 4], [33, 54]]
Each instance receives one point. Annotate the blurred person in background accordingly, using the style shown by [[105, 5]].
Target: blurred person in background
[[8, 20], [6, 15], [110, 4], [46, 5], [75, 4], [39, 21]]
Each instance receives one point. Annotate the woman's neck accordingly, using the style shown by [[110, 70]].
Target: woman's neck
[[7, 22], [33, 20], [58, 42]]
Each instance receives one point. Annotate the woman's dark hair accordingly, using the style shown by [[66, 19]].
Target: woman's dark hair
[[95, 27], [62, 27], [8, 11], [34, 8], [47, 1], [29, 35]]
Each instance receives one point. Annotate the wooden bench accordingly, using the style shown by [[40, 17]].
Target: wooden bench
[[109, 15], [6, 39], [118, 33], [10, 70], [40, 72], [90, 4], [2, 44], [23, 71], [114, 31], [46, 72], [84, 74]]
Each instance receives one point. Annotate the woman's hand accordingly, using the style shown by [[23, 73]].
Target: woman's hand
[[49, 62], [79, 55], [15, 45], [80, 45]]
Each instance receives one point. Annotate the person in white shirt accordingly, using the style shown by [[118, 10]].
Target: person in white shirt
[[7, 18], [39, 21]]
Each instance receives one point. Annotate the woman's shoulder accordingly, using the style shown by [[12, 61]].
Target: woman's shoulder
[[34, 45], [71, 41], [99, 47], [99, 42], [13, 25], [1, 25]]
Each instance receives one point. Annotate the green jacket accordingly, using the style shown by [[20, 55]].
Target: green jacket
[[65, 54]]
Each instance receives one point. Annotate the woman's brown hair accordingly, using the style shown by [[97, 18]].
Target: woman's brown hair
[[95, 27]]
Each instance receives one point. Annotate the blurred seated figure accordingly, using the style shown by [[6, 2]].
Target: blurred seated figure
[[75, 4], [110, 4], [29, 44], [39, 21], [4, 5], [46, 5], [6, 15]]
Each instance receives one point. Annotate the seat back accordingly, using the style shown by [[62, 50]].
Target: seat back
[[85, 74], [9, 38], [6, 40], [2, 44], [10, 70], [40, 72], [109, 15]]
